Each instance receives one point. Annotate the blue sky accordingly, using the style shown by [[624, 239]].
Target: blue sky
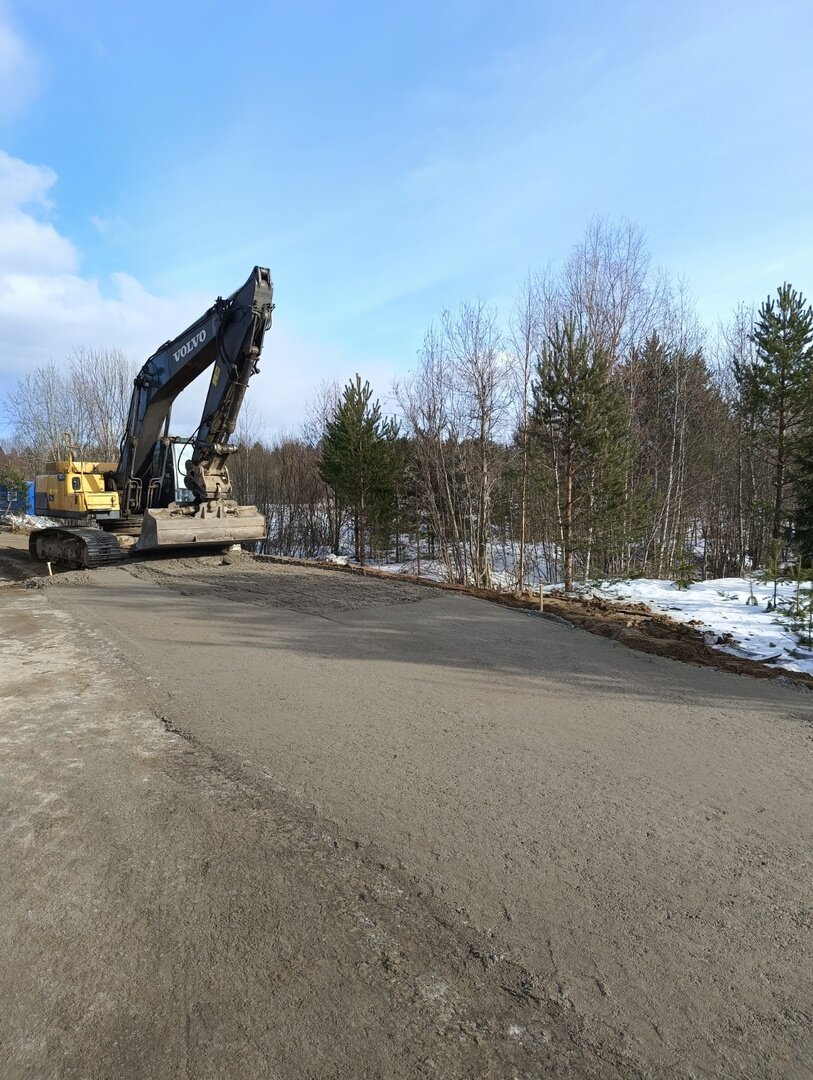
[[384, 162]]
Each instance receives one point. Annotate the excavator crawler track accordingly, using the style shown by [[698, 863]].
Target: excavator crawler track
[[84, 549]]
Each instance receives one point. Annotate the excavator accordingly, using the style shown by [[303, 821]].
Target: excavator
[[164, 491]]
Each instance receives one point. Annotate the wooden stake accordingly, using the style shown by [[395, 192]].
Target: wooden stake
[[50, 571], [541, 596]]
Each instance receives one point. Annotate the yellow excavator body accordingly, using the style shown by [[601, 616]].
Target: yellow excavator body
[[75, 490]]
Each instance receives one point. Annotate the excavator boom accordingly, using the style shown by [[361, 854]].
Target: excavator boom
[[229, 339], [145, 508]]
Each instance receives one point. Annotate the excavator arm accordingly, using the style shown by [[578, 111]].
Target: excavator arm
[[228, 338]]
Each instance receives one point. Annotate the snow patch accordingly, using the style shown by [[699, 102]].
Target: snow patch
[[719, 610], [27, 521], [339, 560]]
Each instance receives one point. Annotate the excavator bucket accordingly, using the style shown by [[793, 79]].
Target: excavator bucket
[[201, 526]]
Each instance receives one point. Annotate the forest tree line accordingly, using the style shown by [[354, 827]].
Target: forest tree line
[[598, 431], [595, 430]]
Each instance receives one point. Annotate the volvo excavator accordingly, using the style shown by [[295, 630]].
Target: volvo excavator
[[165, 492]]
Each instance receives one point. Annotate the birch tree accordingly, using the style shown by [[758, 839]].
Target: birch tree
[[524, 332], [83, 402]]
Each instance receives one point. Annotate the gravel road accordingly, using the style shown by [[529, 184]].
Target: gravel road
[[278, 821]]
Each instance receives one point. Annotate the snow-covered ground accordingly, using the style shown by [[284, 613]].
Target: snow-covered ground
[[719, 611], [26, 521], [431, 569]]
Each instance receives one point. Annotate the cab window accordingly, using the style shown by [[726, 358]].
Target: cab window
[[76, 483]]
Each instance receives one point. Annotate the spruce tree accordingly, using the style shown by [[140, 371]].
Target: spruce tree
[[777, 391], [357, 459]]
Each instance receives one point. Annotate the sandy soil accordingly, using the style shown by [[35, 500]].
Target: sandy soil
[[602, 858], [633, 625], [163, 918]]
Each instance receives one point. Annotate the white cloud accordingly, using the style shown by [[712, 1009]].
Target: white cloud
[[48, 308], [29, 245], [24, 185], [19, 69], [105, 226]]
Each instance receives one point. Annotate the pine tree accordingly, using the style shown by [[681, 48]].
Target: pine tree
[[671, 399], [777, 390], [579, 422], [357, 460], [803, 485]]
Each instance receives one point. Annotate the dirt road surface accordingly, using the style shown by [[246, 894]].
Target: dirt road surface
[[274, 821]]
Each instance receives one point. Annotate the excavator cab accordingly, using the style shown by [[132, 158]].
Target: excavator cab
[[167, 473], [172, 516]]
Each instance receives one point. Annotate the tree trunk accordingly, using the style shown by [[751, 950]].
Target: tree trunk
[[360, 529], [523, 511], [567, 524], [776, 531]]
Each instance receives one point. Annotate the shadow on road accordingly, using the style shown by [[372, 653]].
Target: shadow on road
[[476, 640]]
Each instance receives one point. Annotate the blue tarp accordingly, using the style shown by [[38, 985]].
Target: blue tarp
[[19, 504]]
